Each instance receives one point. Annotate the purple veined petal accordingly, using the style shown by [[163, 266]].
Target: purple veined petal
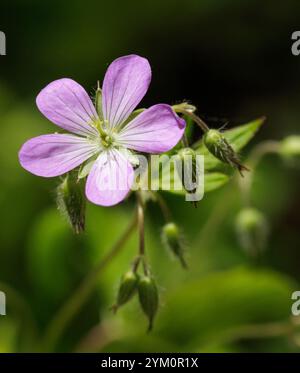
[[156, 130], [65, 103], [53, 155], [110, 179], [125, 84]]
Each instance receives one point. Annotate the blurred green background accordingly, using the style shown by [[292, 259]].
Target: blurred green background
[[232, 59]]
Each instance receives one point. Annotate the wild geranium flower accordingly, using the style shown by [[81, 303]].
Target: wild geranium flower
[[107, 134]]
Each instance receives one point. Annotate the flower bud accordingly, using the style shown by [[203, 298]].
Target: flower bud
[[289, 148], [148, 296], [173, 240], [218, 146], [187, 169], [252, 229], [71, 201], [127, 289]]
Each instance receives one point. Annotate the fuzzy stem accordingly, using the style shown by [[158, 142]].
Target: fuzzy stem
[[80, 296]]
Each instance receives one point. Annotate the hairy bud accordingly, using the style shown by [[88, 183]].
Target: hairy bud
[[71, 201], [173, 240], [252, 229], [218, 146], [127, 289], [187, 169], [148, 296]]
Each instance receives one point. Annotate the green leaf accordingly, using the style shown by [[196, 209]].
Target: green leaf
[[238, 138], [214, 180]]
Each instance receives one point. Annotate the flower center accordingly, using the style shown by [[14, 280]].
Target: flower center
[[106, 140]]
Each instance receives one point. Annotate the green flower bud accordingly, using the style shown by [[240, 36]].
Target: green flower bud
[[187, 169], [252, 229], [218, 146], [127, 289], [173, 240], [289, 148], [148, 296], [71, 201]]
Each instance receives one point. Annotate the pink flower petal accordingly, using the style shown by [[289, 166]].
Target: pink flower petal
[[156, 130], [65, 103], [110, 179], [125, 84], [53, 155]]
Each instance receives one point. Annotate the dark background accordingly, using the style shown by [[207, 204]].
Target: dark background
[[233, 60]]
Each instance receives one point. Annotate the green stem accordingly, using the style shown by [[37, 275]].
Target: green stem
[[181, 109], [259, 151], [208, 232], [141, 225], [163, 206], [80, 296], [185, 141]]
